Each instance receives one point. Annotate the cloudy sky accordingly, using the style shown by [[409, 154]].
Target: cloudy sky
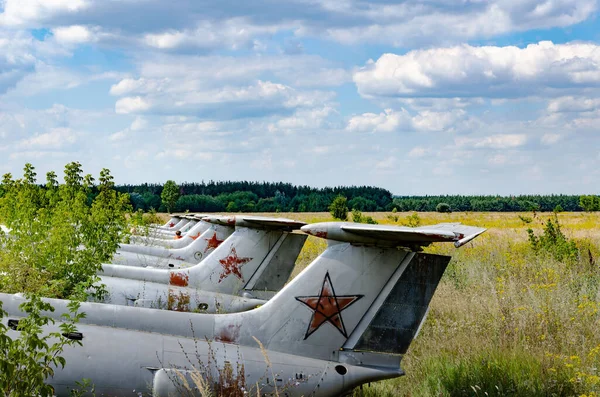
[[419, 97]]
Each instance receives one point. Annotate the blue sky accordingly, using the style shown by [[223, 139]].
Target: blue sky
[[429, 97]]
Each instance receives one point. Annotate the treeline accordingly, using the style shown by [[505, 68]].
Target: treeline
[[494, 203], [247, 196]]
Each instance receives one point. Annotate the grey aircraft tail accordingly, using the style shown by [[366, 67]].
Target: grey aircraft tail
[[361, 302]]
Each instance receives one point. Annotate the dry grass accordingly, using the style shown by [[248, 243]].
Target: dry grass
[[504, 320]]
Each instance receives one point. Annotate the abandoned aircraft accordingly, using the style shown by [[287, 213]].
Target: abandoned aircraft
[[201, 244], [345, 320], [251, 265]]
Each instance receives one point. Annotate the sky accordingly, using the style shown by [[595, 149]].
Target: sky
[[418, 97]]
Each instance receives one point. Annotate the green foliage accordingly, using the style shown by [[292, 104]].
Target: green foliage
[[558, 208], [362, 204], [412, 220], [553, 242], [58, 239], [358, 217], [170, 195], [339, 208], [443, 207], [589, 203], [259, 197], [525, 219], [27, 361], [488, 203]]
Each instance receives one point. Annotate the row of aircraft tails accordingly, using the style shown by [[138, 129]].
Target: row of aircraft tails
[[216, 307]]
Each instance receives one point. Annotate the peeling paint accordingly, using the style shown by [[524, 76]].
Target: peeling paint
[[212, 242], [179, 279], [321, 234], [196, 236], [229, 334], [232, 264]]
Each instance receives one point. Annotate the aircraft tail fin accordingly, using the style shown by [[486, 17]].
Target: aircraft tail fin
[[357, 302], [277, 267], [251, 259]]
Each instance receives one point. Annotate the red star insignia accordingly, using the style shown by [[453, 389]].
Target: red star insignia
[[195, 237], [327, 307], [213, 242], [232, 264], [171, 224]]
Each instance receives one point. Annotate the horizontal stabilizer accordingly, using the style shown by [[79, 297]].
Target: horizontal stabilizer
[[386, 235], [257, 222]]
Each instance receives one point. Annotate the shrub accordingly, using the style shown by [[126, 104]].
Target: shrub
[[553, 242], [358, 217], [339, 208], [57, 240], [443, 207], [412, 220]]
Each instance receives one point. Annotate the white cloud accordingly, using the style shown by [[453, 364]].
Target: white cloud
[[573, 104], [437, 121], [413, 23], [75, 34], [139, 124], [32, 12], [504, 141], [550, 138], [56, 138], [131, 105], [418, 152], [387, 121], [495, 72]]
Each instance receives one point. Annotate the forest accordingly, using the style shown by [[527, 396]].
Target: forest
[[246, 196]]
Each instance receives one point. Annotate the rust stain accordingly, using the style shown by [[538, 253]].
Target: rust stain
[[232, 264], [213, 242], [178, 301], [321, 234], [179, 258], [231, 221], [195, 237], [230, 334], [179, 279]]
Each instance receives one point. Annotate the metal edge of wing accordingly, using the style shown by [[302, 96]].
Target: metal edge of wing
[[396, 234], [273, 222], [470, 237]]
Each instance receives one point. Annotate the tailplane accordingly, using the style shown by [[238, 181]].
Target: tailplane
[[359, 303]]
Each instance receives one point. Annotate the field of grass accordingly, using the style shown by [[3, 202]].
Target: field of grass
[[506, 320]]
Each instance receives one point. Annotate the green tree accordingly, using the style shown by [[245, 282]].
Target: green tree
[[589, 203], [58, 240], [443, 207], [339, 208], [170, 195]]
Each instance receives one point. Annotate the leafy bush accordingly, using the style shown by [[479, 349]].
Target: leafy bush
[[412, 220], [553, 242], [26, 362], [358, 217], [58, 240], [443, 207], [339, 208]]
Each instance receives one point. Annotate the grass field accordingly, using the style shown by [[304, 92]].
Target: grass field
[[506, 320]]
